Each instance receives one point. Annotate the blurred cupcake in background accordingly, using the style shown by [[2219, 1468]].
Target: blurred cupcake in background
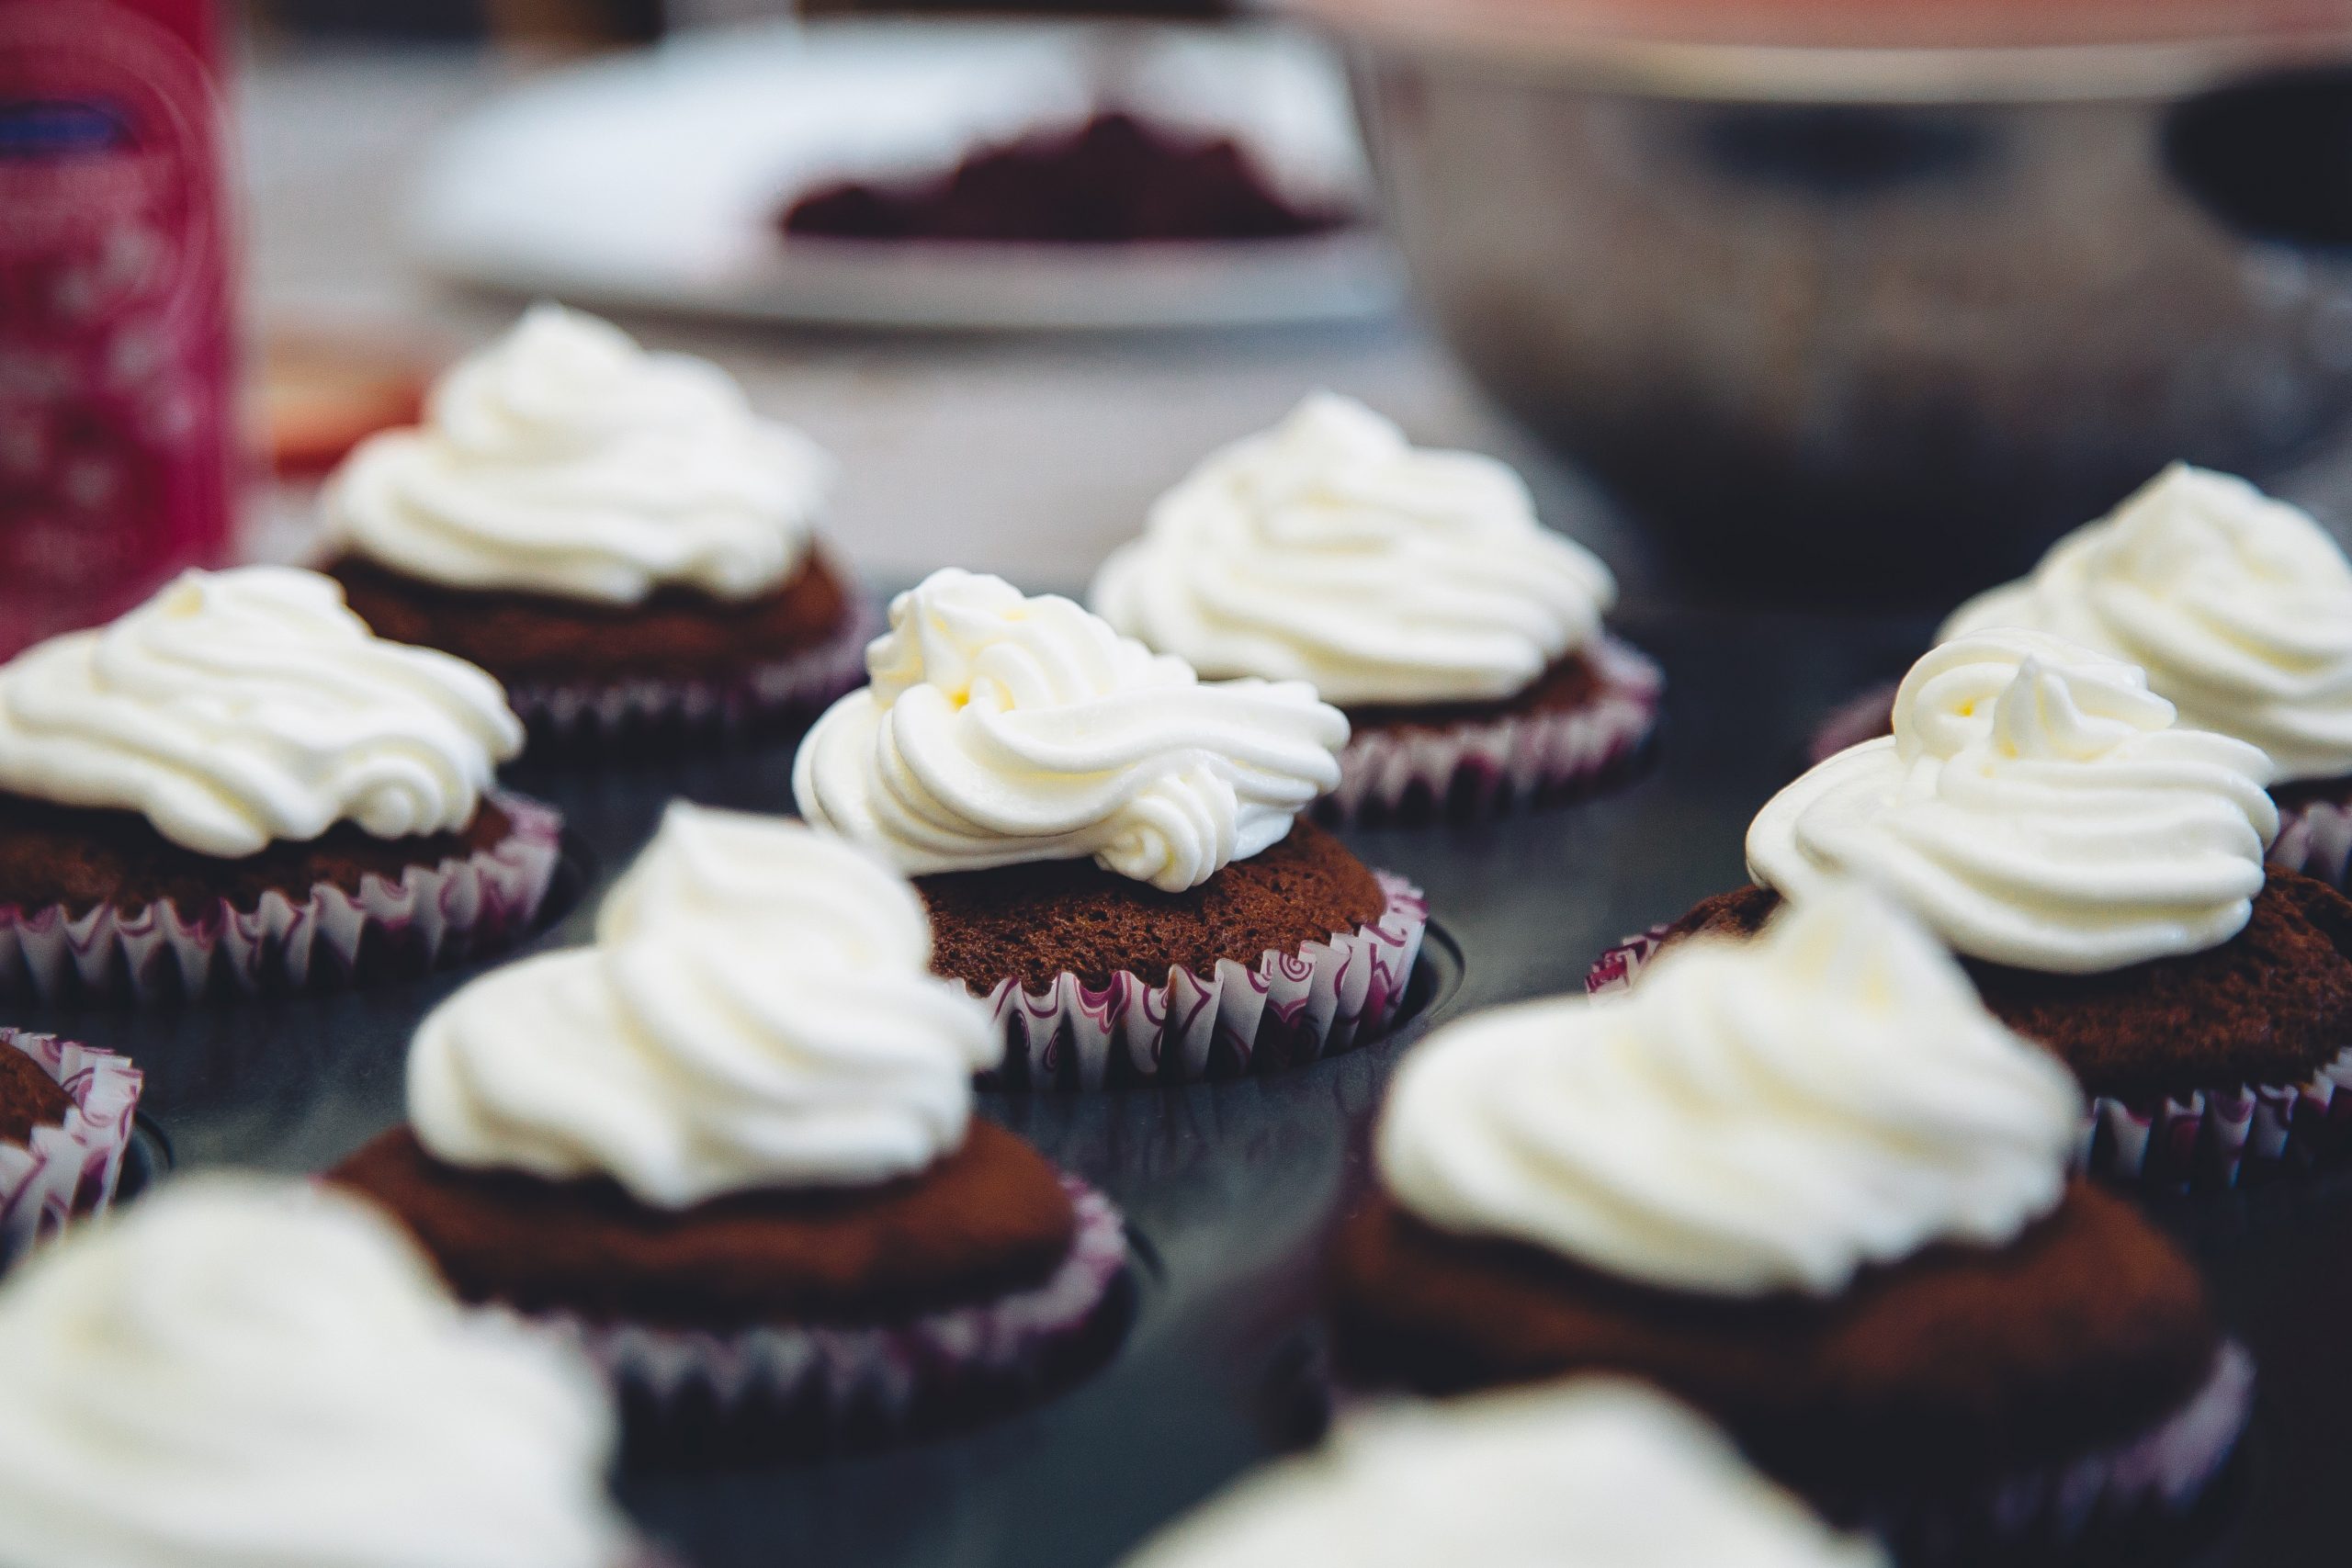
[[66, 1112], [730, 1150], [1112, 849], [236, 787], [614, 535], [1416, 590], [245, 1371], [2099, 867], [1810, 1185], [1596, 1473]]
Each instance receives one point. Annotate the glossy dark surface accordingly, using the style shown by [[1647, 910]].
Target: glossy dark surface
[[1229, 1187]]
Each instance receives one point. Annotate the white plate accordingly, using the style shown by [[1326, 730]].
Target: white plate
[[654, 180]]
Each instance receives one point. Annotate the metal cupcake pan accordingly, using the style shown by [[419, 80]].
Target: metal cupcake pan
[[1231, 1187]]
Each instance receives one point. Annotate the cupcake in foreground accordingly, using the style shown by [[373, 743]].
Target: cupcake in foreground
[[1808, 1184], [66, 1124], [729, 1149], [236, 787], [1112, 849], [613, 534], [2238, 606], [249, 1370], [1415, 589], [1594, 1473], [2101, 869]]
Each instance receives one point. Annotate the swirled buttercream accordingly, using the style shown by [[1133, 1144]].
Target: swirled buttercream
[[757, 1012], [1331, 551], [2038, 807], [1594, 1473], [2238, 606], [566, 460], [999, 729], [1755, 1117], [239, 707], [242, 1371]]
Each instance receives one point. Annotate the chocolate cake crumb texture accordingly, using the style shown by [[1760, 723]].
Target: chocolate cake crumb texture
[[29, 1098]]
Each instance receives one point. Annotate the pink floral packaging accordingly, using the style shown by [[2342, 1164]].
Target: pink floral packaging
[[2208, 1139], [813, 1388], [431, 916], [1479, 768], [68, 1171], [1286, 1010]]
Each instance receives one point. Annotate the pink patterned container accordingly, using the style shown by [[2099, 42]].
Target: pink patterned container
[[66, 1172], [1287, 1009], [433, 916], [1482, 768]]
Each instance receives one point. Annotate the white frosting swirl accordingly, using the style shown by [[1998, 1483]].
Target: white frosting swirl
[[758, 1013], [1331, 551], [1755, 1117], [242, 1371], [2038, 807], [2238, 606], [239, 707], [1593, 1474], [999, 729], [566, 460]]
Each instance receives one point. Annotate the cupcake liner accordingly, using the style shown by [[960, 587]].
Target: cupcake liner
[[1482, 768], [2315, 838], [1287, 1009], [1869, 715], [2206, 1140], [67, 1171], [595, 714], [817, 1387], [431, 916]]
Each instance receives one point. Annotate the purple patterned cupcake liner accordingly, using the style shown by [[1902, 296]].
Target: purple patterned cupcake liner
[[1483, 768], [68, 1171], [1287, 1009], [1870, 716], [591, 715], [2315, 838], [815, 1388], [432, 916], [2207, 1140]]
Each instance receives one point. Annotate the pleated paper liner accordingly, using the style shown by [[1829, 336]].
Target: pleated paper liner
[[431, 916], [1483, 768], [69, 1171], [1286, 1010]]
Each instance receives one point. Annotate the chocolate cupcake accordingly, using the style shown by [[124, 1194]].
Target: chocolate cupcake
[[236, 787], [1810, 1185], [66, 1124], [246, 1371], [613, 534], [1112, 848], [730, 1151], [1593, 1473], [2099, 868], [1416, 590], [2238, 606]]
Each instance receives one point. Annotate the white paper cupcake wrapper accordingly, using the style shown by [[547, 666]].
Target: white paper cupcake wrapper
[[2206, 1140], [68, 1171], [432, 916], [1286, 1010], [885, 1378], [592, 713], [1479, 769], [2315, 838]]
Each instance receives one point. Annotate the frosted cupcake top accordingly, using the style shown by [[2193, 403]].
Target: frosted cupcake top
[[566, 460], [236, 708], [1330, 550], [2238, 606], [2038, 807], [241, 1371], [758, 1011], [1755, 1117], [1594, 1473], [999, 729]]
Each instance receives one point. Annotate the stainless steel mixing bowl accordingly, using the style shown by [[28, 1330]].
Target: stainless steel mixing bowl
[[1874, 319]]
